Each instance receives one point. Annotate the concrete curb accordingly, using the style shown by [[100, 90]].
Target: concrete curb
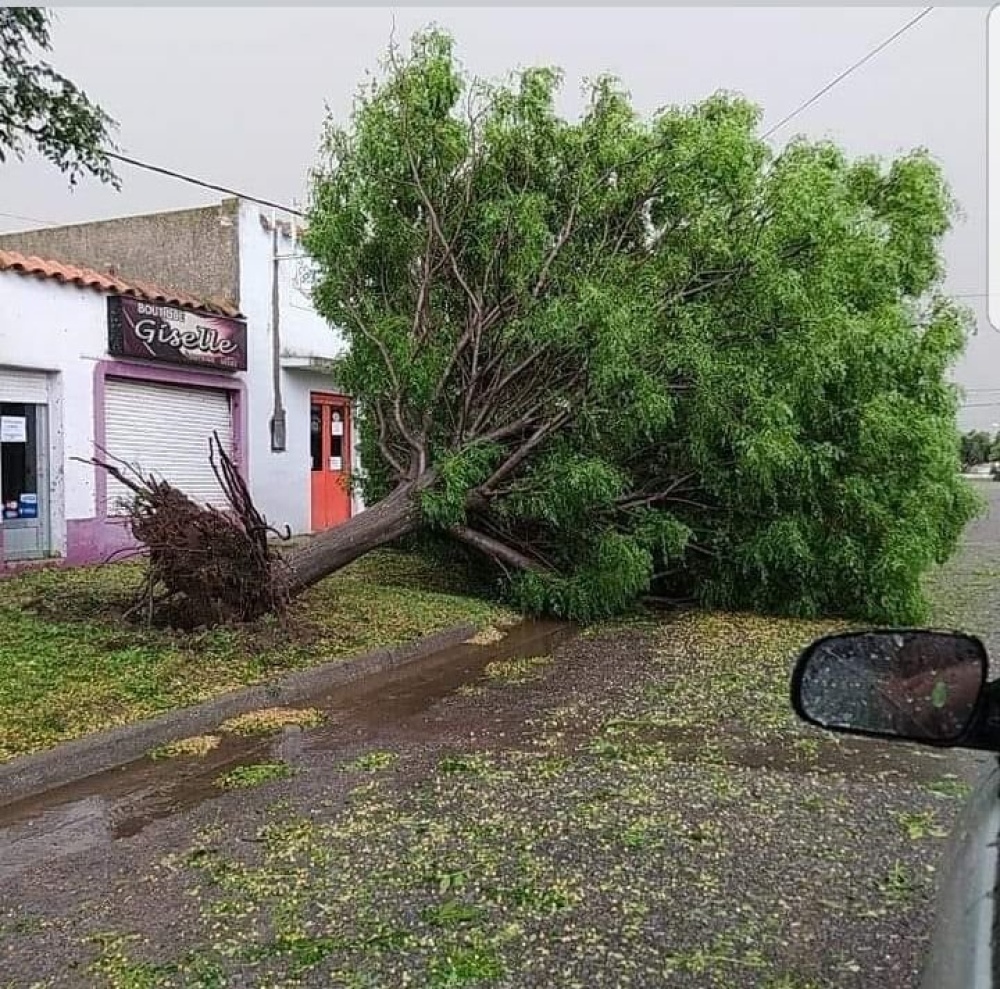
[[37, 772]]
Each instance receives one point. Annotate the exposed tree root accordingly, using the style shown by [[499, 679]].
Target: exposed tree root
[[207, 566]]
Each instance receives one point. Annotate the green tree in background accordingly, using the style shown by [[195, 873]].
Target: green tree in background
[[994, 448], [615, 353], [977, 447], [41, 109]]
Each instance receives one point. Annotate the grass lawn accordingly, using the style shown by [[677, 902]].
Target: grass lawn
[[69, 666]]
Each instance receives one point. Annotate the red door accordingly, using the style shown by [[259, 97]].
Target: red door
[[330, 450]]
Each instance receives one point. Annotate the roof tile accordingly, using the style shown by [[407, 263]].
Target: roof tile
[[88, 278]]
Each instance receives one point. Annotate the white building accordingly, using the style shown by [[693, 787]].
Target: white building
[[96, 353]]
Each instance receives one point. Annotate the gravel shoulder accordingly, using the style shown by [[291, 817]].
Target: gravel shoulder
[[638, 808]]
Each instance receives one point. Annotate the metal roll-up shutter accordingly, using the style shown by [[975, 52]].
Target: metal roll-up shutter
[[165, 430], [17, 385]]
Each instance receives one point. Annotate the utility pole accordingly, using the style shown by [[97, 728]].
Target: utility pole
[[278, 423]]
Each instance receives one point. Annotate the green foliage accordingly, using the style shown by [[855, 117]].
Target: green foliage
[[458, 474], [978, 448], [636, 353], [607, 575], [41, 108], [255, 774], [373, 761], [466, 964], [564, 488], [452, 913]]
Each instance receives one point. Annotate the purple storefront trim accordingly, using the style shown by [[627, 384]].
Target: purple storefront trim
[[97, 539]]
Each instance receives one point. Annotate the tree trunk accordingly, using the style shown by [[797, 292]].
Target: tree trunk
[[497, 551], [396, 515]]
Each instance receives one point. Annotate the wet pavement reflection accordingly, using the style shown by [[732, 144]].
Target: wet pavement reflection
[[120, 802]]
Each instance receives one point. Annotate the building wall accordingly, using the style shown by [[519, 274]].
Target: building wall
[[59, 329], [280, 481], [202, 259], [62, 330]]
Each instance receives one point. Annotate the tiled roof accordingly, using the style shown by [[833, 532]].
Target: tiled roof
[[88, 278]]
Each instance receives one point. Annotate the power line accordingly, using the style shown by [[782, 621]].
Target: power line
[[200, 182], [843, 75], [215, 187]]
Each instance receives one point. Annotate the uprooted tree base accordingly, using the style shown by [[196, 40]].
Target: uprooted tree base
[[207, 566]]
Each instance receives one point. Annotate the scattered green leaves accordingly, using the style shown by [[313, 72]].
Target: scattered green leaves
[[196, 745], [254, 774], [372, 762], [272, 719]]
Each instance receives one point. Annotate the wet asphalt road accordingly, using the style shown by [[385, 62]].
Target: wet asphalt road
[[640, 811], [968, 591]]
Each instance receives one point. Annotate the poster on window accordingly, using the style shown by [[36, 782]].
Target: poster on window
[[13, 429], [336, 463]]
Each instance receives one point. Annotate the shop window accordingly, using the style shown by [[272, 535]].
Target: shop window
[[316, 436], [19, 460]]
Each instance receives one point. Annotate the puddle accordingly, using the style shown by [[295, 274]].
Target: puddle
[[121, 802], [853, 757]]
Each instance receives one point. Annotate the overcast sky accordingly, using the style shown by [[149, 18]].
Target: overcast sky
[[237, 96]]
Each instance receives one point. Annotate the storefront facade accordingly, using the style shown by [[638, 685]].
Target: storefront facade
[[308, 485], [146, 379], [93, 362]]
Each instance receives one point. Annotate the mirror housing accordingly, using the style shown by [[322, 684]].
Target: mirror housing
[[912, 684]]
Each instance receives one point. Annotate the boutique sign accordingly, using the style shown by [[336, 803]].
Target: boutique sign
[[154, 332]]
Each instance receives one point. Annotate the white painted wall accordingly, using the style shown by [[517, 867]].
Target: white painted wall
[[280, 482], [61, 329]]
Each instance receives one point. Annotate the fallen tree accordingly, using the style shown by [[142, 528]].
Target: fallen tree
[[615, 354]]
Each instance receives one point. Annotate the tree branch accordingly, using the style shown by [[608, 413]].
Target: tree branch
[[563, 236], [505, 432], [439, 232], [383, 441], [517, 457], [642, 500], [696, 286], [495, 549], [397, 408], [420, 324], [496, 390]]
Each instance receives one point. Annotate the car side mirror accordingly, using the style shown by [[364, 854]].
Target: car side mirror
[[915, 685]]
